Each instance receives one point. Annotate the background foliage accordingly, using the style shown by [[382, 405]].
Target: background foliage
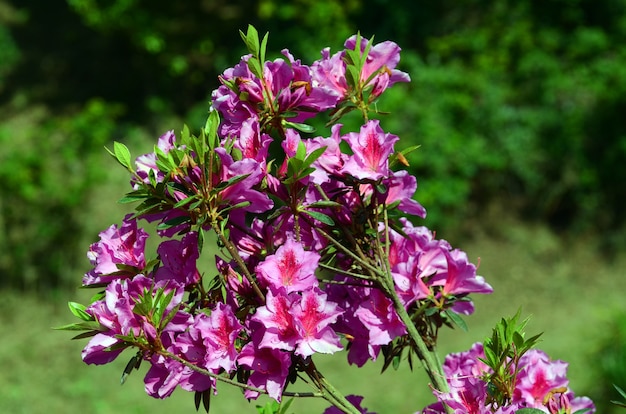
[[518, 107]]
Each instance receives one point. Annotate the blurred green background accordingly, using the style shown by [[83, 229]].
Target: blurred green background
[[519, 108]]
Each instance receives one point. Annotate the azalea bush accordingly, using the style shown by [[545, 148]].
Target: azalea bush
[[319, 251]]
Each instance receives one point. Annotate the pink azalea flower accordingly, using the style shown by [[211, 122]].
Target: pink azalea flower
[[123, 246], [371, 148], [314, 314], [401, 188], [382, 58], [242, 190], [219, 332], [270, 368], [290, 267], [330, 71], [278, 320], [147, 163], [377, 314], [116, 316], [286, 84], [539, 375]]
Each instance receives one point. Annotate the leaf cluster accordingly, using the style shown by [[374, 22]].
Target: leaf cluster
[[503, 351]]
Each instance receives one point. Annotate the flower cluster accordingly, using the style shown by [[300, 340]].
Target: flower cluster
[[315, 250], [541, 384]]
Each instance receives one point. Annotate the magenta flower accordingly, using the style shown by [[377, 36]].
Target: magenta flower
[[115, 313], [371, 148], [118, 254], [146, 164], [382, 60], [178, 259], [354, 400], [314, 314], [278, 320], [330, 71], [376, 312], [290, 267], [287, 87], [270, 368], [242, 191], [251, 142], [379, 71], [401, 187], [539, 375], [217, 333]]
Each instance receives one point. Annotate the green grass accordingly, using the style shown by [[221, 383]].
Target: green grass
[[571, 292]]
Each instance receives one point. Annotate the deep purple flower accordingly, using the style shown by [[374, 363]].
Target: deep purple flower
[[179, 260], [118, 254], [354, 400]]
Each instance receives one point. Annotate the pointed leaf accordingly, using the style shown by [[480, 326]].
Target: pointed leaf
[[79, 311], [320, 217]]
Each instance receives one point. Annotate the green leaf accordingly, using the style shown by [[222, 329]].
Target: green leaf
[[173, 222], [81, 326], [78, 310], [263, 48], [313, 156], [529, 411], [134, 196], [251, 39], [210, 128], [132, 364], [320, 217], [255, 67], [122, 154], [456, 319], [298, 126], [284, 405]]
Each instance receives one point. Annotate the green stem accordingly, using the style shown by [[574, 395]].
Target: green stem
[[430, 359], [329, 392], [235, 255]]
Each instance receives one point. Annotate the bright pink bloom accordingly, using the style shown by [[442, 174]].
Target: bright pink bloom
[[314, 314], [118, 254], [278, 320], [270, 368], [242, 190], [376, 312], [290, 267], [382, 60], [401, 187], [371, 147], [539, 375]]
